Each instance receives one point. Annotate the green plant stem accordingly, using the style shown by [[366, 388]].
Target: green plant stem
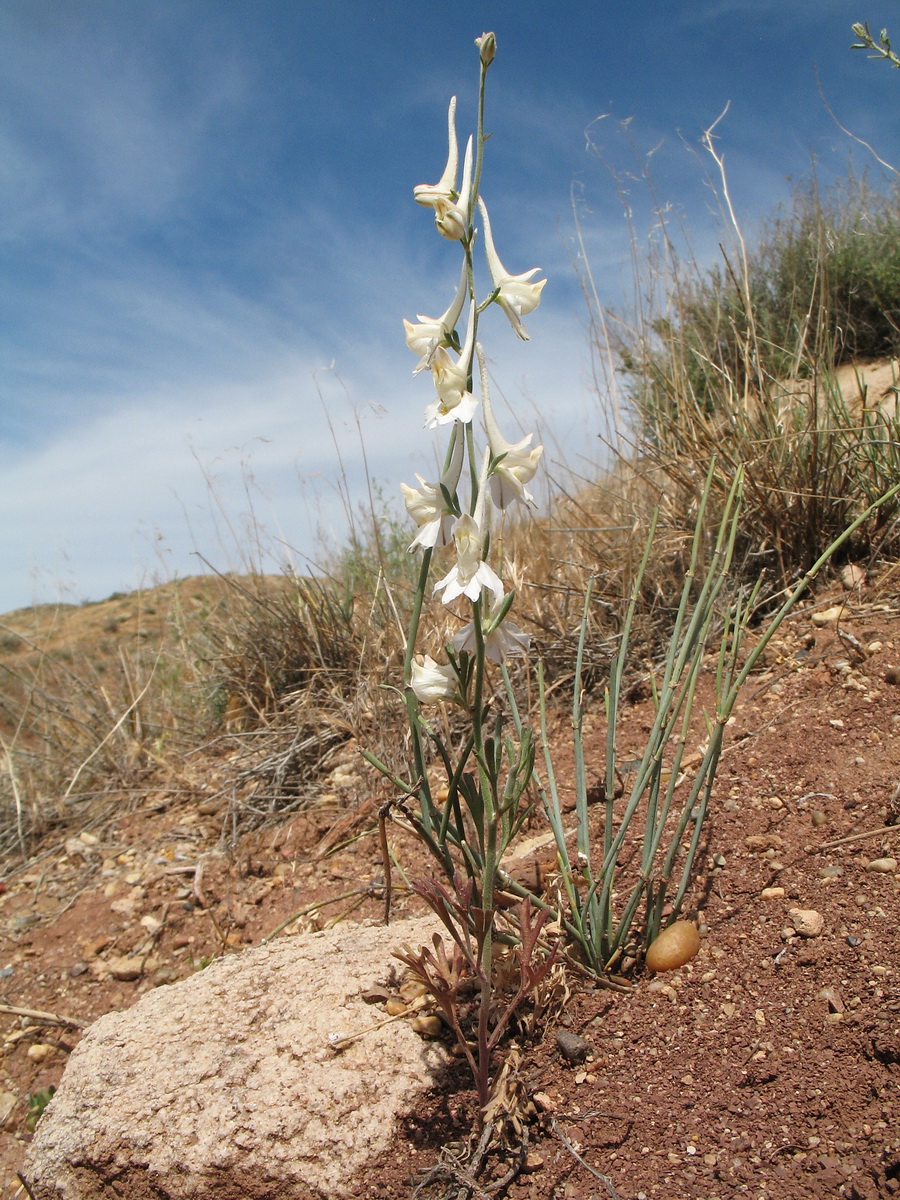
[[581, 806], [490, 860], [614, 687], [479, 149], [416, 615]]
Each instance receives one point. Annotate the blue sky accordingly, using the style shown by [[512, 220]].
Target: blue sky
[[208, 239]]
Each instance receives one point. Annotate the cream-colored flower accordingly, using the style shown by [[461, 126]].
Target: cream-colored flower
[[444, 191], [517, 296], [515, 463], [501, 642], [452, 219], [432, 682], [454, 401], [427, 505], [430, 332], [470, 573], [517, 467]]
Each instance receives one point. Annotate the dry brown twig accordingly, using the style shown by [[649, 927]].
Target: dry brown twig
[[41, 1017], [604, 1179], [860, 837]]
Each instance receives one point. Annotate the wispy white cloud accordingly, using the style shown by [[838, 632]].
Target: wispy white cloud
[[144, 485], [95, 131], [199, 213]]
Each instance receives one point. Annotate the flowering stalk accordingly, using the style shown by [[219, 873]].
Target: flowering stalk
[[489, 771], [489, 774]]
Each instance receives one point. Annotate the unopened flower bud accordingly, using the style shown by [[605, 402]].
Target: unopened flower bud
[[431, 682], [487, 48]]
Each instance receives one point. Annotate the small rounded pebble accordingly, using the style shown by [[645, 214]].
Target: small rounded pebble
[[853, 576], [39, 1051], [125, 967], [674, 947], [375, 995], [430, 1026], [828, 615], [833, 997], [884, 866], [573, 1048], [664, 989], [807, 922], [412, 989]]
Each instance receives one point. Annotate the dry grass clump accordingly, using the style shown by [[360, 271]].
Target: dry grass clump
[[92, 698], [747, 364], [286, 656], [597, 532]]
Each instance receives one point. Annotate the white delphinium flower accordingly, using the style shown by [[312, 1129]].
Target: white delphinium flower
[[427, 505], [517, 467], [470, 573], [517, 463], [452, 219], [517, 296], [442, 193], [430, 332], [504, 640], [432, 682], [454, 401]]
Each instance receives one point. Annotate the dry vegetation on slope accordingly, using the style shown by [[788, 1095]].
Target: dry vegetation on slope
[[188, 754]]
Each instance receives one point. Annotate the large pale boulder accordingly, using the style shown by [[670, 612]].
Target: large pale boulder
[[225, 1085]]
